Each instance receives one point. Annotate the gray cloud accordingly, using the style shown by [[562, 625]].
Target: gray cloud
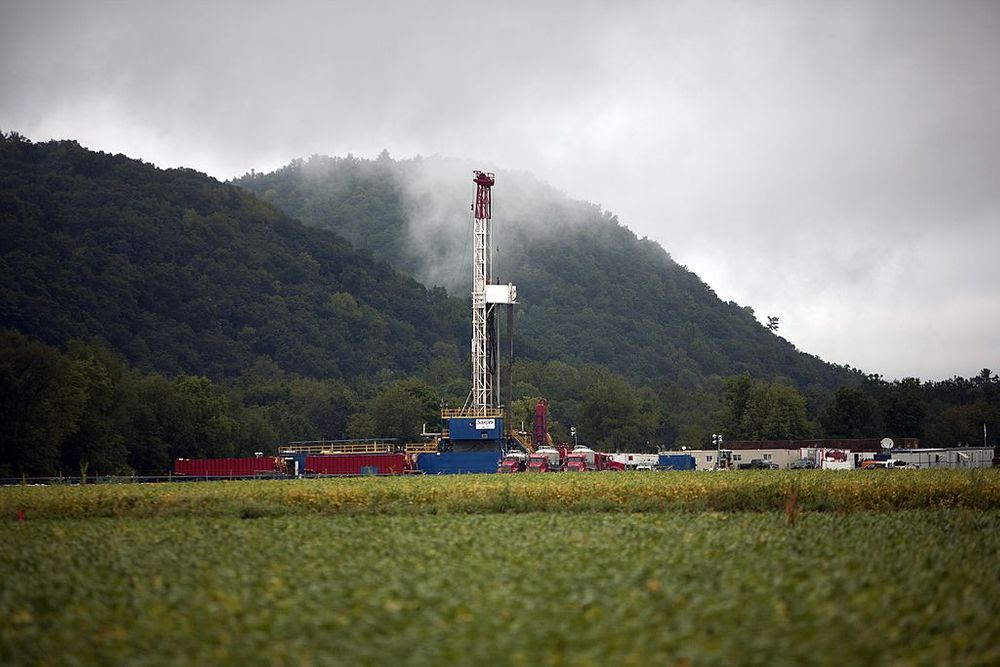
[[837, 165]]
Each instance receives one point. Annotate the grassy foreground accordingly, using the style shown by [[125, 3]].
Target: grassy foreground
[[766, 490], [909, 587], [583, 569]]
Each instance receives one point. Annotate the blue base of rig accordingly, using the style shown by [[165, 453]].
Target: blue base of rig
[[457, 463]]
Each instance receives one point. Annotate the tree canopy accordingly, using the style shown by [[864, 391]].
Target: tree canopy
[[183, 274]]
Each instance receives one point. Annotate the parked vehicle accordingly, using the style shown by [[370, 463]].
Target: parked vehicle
[[758, 464], [802, 464], [514, 462], [637, 461], [584, 458], [873, 464], [834, 459], [547, 459]]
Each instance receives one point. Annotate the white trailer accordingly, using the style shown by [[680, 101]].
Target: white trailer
[[637, 461]]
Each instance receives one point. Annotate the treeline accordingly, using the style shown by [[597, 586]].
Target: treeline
[[85, 409], [612, 414], [85, 406], [946, 413]]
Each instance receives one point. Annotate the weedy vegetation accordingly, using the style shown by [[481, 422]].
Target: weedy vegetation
[[791, 491], [765, 567]]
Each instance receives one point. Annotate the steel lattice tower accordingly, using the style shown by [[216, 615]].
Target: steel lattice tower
[[483, 337]]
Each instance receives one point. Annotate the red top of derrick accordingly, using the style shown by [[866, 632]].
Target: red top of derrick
[[483, 181]]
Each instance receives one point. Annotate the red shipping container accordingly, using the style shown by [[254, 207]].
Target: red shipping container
[[353, 464], [243, 467]]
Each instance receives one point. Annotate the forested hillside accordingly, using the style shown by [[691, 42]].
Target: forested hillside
[[590, 291], [151, 314], [183, 274]]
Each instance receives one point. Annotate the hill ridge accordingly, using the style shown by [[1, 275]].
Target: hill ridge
[[592, 291]]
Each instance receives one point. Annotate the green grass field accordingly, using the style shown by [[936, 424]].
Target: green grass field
[[809, 490], [458, 570]]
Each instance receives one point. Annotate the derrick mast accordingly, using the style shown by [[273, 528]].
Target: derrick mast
[[486, 296], [484, 355], [481, 423]]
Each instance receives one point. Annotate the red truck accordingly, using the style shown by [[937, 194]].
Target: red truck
[[547, 459], [584, 458], [514, 462]]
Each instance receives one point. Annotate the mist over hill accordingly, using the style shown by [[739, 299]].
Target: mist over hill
[[183, 274], [591, 292]]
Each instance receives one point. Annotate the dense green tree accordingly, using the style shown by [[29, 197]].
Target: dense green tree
[[325, 404], [851, 414], [736, 397], [99, 440], [693, 415], [362, 425], [963, 425], [522, 413], [903, 407], [155, 414], [775, 412], [41, 399], [612, 419], [255, 433], [756, 410], [205, 427], [402, 408]]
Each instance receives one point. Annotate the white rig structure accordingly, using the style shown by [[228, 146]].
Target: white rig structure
[[484, 399]]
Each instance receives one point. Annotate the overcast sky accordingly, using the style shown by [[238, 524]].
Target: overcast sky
[[833, 164]]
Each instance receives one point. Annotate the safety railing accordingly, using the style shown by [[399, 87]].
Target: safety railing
[[420, 447], [523, 440], [354, 447], [485, 412]]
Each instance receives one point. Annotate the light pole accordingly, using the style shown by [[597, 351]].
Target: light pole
[[717, 441]]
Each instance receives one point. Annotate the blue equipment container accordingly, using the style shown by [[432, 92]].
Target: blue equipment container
[[475, 428], [677, 461], [456, 463]]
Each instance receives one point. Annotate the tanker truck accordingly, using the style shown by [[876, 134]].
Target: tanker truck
[[547, 459], [584, 458], [513, 462]]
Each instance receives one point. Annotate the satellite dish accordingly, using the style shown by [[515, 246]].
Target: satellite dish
[[886, 443]]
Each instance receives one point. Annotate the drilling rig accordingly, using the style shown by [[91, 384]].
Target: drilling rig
[[479, 425]]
